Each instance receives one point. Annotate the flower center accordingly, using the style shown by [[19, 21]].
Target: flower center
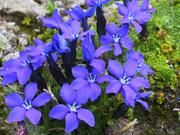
[[25, 62], [125, 80], [131, 17], [116, 38], [27, 104], [74, 107], [91, 78], [75, 35]]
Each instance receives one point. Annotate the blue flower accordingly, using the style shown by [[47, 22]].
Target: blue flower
[[53, 22], [25, 108], [38, 53], [134, 14], [90, 80], [88, 49], [72, 112], [96, 3], [142, 68], [115, 36], [59, 44], [79, 14], [17, 69], [125, 81]]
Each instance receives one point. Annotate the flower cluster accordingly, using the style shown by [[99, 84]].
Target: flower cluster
[[80, 82]]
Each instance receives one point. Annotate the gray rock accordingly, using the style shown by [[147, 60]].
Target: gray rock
[[27, 7]]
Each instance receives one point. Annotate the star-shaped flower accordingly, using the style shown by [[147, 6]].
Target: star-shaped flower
[[26, 108], [72, 112]]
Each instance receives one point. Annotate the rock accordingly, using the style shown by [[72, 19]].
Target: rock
[[27, 7]]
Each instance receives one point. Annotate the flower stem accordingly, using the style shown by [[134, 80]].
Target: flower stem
[[22, 130]]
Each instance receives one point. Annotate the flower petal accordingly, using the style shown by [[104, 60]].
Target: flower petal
[[127, 42], [115, 68], [112, 28], [139, 82], [30, 90], [59, 112], [13, 99], [113, 87], [72, 122], [79, 71], [106, 39], [78, 83], [104, 78], [33, 115], [130, 68], [137, 27], [23, 75], [146, 106], [42, 99], [86, 116], [67, 94], [16, 114], [129, 95], [99, 65], [82, 95], [9, 78], [122, 9], [95, 91], [103, 49], [117, 49]]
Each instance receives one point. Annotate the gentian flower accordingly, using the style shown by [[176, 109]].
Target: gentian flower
[[60, 44], [96, 3], [53, 22], [72, 112], [26, 108], [142, 68], [90, 80], [133, 14], [79, 14], [88, 49], [39, 52], [141, 96], [115, 36], [17, 69], [125, 81]]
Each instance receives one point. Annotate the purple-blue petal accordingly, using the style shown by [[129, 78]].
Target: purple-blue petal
[[9, 78], [117, 49], [42, 99], [82, 95], [33, 115], [17, 114], [79, 72], [127, 43], [103, 49], [130, 68], [115, 68], [139, 82], [68, 94], [30, 90], [137, 27], [106, 39], [99, 65], [23, 75], [113, 87], [72, 122], [86, 116], [94, 91], [122, 9], [129, 95], [104, 78], [13, 99], [143, 103], [58, 112]]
